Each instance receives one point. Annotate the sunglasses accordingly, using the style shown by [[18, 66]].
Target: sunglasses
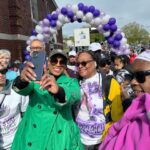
[[140, 75], [55, 61], [3, 71], [83, 63], [38, 48], [104, 63]]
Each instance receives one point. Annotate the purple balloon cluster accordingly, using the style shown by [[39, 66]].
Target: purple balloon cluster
[[106, 25]]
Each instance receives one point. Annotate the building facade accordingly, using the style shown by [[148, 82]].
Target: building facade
[[18, 18]]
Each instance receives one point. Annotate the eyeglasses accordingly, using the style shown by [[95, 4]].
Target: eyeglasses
[[140, 75], [54, 61], [38, 48], [83, 63], [3, 71]]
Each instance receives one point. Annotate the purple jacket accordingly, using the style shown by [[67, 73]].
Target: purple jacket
[[132, 132]]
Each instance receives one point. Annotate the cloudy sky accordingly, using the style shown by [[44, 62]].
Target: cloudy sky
[[125, 11]]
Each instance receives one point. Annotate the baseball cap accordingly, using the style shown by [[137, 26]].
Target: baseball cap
[[95, 46], [72, 53], [57, 52]]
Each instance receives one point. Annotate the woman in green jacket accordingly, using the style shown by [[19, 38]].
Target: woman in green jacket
[[47, 123]]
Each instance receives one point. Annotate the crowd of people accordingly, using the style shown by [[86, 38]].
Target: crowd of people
[[85, 100]]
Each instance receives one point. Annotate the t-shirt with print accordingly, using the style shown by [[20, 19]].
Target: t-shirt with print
[[10, 116], [90, 118]]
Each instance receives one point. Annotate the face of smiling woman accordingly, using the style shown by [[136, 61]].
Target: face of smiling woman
[[86, 65], [57, 65]]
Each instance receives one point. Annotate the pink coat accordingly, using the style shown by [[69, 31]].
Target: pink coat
[[132, 132]]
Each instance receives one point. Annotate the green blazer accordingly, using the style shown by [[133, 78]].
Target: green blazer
[[47, 124]]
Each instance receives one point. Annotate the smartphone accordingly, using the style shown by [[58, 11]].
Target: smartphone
[[38, 58]]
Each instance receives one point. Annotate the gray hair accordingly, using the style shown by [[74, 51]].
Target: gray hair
[[5, 52], [43, 43]]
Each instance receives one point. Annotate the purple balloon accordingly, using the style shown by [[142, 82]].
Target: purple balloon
[[110, 40], [112, 21], [34, 32], [91, 9], [113, 28], [81, 6], [116, 44], [70, 14], [85, 9], [27, 57], [53, 23], [106, 27], [25, 52], [49, 17], [118, 37], [96, 13], [54, 16], [64, 11]]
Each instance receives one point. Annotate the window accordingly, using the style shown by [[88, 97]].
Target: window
[[34, 10]]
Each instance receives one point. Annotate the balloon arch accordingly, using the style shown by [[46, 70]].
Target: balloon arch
[[104, 24]]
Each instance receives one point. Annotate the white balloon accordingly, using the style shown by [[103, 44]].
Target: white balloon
[[89, 17], [127, 46], [53, 30], [74, 8], [38, 29], [67, 20], [106, 33], [32, 38], [105, 19], [79, 14], [123, 35], [28, 48], [92, 23], [40, 37], [58, 24], [84, 19], [61, 18], [97, 21], [28, 42], [123, 41]]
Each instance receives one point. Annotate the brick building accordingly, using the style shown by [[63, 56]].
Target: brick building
[[18, 18]]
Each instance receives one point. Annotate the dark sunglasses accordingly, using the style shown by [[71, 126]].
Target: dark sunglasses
[[104, 63], [140, 75], [55, 61], [83, 63], [3, 71]]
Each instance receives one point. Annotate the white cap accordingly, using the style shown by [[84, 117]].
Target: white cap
[[72, 53], [144, 55], [95, 46]]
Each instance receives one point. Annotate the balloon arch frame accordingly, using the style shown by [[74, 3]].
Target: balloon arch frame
[[104, 24]]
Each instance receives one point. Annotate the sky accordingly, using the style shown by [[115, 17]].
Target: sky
[[125, 11]]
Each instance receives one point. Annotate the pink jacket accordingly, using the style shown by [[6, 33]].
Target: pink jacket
[[132, 132]]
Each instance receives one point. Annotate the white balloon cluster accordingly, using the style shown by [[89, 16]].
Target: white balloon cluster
[[104, 23]]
